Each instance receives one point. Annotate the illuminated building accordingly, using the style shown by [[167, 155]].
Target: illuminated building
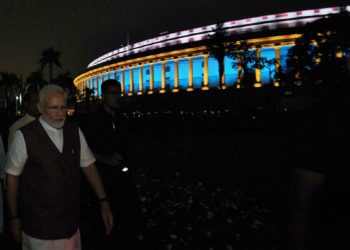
[[179, 61]]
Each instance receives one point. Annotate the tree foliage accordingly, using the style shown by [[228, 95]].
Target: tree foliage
[[66, 81], [35, 80], [10, 86], [245, 58], [50, 57], [218, 47], [319, 55]]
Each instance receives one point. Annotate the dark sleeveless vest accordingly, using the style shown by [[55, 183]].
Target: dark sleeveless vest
[[49, 187]]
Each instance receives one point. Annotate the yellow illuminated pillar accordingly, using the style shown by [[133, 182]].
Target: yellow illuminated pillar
[[257, 83], [140, 80], [84, 87], [82, 90], [96, 85], [131, 80], [163, 78], [176, 75], [123, 81], [151, 79], [190, 74], [318, 57], [205, 72], [278, 64], [223, 78], [240, 75], [92, 85]]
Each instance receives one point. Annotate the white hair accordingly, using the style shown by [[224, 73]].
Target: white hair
[[49, 89]]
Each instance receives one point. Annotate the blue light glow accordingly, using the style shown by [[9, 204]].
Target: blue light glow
[[136, 76]]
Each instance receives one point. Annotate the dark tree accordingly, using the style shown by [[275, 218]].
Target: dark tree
[[218, 47], [66, 81], [35, 80], [270, 64], [50, 57], [246, 60], [320, 54], [10, 85]]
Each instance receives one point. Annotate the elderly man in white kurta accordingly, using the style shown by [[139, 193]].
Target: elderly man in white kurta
[[43, 178]]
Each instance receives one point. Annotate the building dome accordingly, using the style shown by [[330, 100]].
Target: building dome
[[180, 61]]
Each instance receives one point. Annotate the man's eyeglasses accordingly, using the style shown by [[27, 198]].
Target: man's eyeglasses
[[56, 108]]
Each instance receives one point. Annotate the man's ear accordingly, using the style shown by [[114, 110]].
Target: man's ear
[[40, 108]]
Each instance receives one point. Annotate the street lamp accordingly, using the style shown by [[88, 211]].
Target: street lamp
[[17, 98]]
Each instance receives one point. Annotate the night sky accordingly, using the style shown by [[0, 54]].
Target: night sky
[[84, 30]]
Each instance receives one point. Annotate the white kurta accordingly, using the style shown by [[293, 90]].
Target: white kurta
[[16, 159]]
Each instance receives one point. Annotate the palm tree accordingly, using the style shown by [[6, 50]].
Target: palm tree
[[270, 64], [245, 58], [35, 80], [50, 57], [218, 47]]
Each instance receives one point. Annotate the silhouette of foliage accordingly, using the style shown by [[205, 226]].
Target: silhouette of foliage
[[66, 81], [50, 57], [35, 80], [10, 86], [245, 58], [218, 47], [319, 55]]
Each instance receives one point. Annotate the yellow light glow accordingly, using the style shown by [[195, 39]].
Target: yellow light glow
[[175, 90], [205, 88], [276, 84], [162, 91], [257, 85], [70, 112]]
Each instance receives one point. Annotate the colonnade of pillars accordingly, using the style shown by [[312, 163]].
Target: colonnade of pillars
[[94, 82]]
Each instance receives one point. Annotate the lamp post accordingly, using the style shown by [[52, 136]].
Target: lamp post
[[17, 98]]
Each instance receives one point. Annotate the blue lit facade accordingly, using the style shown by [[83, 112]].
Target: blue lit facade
[[180, 62]]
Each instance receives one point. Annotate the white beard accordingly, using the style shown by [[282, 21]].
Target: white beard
[[54, 124]]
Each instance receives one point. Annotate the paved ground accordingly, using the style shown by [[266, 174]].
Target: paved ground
[[248, 151]]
